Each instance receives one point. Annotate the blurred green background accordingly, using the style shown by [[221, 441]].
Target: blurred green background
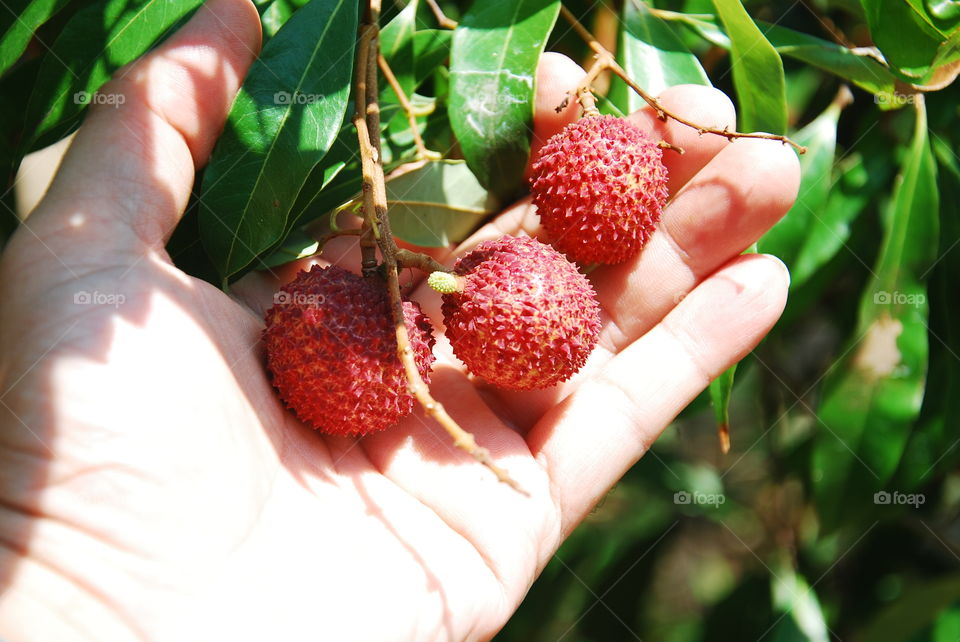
[[786, 537], [834, 515]]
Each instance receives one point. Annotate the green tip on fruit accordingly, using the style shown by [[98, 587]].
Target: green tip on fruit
[[445, 282]]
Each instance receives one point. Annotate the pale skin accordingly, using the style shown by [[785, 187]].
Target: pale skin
[[153, 487]]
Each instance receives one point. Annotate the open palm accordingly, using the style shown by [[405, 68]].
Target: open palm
[[153, 487]]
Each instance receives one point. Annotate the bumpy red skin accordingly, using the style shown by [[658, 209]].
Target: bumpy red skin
[[526, 318], [599, 187], [331, 350]]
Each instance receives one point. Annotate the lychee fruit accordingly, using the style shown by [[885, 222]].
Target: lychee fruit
[[332, 351], [518, 313], [599, 187]]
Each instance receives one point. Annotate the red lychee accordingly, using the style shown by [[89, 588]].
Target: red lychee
[[599, 187], [518, 313], [332, 351]]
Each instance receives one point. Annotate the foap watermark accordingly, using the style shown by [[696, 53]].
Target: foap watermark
[[894, 100], [297, 298], [83, 297], [98, 98], [684, 498], [882, 297], [896, 498], [296, 98]]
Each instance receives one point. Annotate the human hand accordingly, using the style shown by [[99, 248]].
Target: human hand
[[153, 487]]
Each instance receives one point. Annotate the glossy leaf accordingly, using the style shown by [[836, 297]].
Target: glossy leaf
[[325, 189], [281, 125], [413, 64], [934, 445], [276, 15], [653, 55], [398, 33], [757, 72], [905, 34], [437, 203], [493, 66], [858, 68], [786, 238], [79, 62], [872, 397], [16, 37], [312, 196], [296, 246], [848, 196]]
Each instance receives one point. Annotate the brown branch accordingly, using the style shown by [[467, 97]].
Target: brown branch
[[442, 18], [422, 152], [422, 262], [367, 121], [607, 61]]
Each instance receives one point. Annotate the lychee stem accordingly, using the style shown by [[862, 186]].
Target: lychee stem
[[441, 17], [422, 152], [423, 262], [605, 61], [366, 119], [445, 282]]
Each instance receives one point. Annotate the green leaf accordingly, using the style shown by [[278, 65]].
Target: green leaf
[[95, 43], [934, 445], [276, 15], [720, 391], [947, 626], [281, 125], [786, 238], [653, 55], [296, 246], [14, 40], [905, 34], [413, 64], [945, 10], [434, 204], [757, 72], [493, 67], [396, 45], [862, 70], [873, 396], [327, 187], [316, 195], [830, 230], [412, 55]]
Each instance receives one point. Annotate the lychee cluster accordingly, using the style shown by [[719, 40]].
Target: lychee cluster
[[599, 186], [332, 351], [518, 313]]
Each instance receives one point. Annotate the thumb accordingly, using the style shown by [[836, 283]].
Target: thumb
[[126, 178]]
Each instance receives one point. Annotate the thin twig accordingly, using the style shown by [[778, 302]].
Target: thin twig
[[607, 61], [442, 18], [367, 121], [422, 152], [422, 262]]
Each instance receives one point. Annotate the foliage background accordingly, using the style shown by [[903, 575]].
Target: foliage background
[[857, 390]]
